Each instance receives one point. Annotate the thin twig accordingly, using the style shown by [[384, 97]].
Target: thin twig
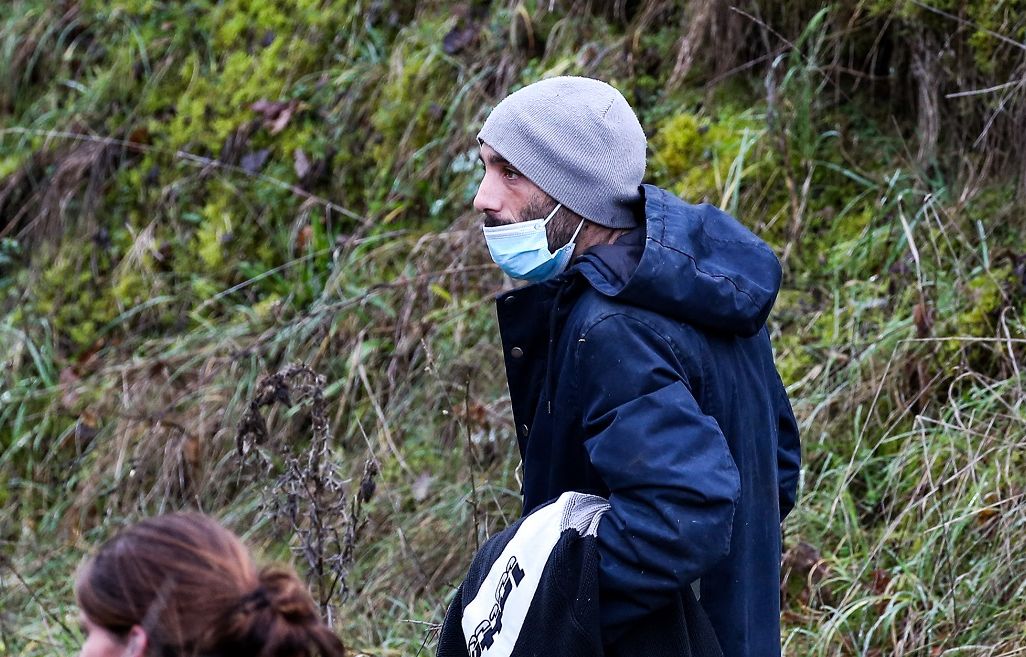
[[980, 92], [35, 598], [472, 459], [4, 638], [761, 23]]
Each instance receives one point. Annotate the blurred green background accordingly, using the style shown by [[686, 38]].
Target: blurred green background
[[196, 195]]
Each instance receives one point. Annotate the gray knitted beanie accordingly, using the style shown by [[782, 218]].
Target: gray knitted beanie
[[579, 140]]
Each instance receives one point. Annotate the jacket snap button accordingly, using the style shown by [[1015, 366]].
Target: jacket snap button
[[508, 300], [523, 429], [516, 352]]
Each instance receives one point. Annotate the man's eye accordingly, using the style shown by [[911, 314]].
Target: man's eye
[[510, 174]]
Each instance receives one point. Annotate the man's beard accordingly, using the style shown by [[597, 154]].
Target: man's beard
[[560, 228]]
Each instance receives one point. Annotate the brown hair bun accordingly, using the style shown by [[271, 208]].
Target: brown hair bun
[[193, 587], [278, 618]]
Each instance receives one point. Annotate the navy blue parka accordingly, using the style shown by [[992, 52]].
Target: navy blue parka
[[644, 374]]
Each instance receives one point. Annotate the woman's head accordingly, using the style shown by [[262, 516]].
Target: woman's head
[[182, 585]]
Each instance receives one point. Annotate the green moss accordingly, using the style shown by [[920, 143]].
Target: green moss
[[10, 163], [694, 155], [204, 288], [73, 299], [263, 46], [302, 134], [212, 234], [82, 305], [129, 289], [985, 296], [136, 7], [264, 309], [412, 101], [794, 358], [853, 245]]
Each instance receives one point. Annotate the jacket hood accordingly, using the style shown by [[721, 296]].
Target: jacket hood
[[694, 263]]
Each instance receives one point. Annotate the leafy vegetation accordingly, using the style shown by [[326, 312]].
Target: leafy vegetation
[[196, 195]]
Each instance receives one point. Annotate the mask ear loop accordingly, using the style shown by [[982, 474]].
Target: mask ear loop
[[579, 227], [552, 214]]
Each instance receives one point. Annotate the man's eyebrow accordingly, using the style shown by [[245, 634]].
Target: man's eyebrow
[[494, 159]]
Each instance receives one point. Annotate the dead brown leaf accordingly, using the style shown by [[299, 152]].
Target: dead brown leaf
[[301, 163], [459, 38], [268, 108], [992, 510], [140, 135], [922, 314], [803, 573], [237, 142], [303, 238], [254, 161], [282, 120], [422, 486], [276, 113], [191, 451], [86, 428], [69, 388], [881, 580]]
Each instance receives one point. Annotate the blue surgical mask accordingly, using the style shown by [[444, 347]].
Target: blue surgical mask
[[522, 249]]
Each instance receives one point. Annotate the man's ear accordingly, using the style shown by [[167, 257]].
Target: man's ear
[[137, 642]]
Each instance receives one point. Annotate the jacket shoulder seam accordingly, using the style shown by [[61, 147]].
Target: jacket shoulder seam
[[712, 275]]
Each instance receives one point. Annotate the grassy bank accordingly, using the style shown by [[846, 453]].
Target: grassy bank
[[196, 196]]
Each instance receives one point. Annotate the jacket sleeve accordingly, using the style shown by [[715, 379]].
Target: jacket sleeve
[[789, 453], [673, 483]]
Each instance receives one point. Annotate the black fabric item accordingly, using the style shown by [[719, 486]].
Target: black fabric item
[[450, 640], [681, 629], [563, 617]]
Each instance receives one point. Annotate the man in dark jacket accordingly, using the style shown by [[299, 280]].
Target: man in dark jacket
[[639, 365]]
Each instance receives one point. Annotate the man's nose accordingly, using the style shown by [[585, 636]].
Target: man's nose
[[486, 199]]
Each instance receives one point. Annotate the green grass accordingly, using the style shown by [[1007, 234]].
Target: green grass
[[151, 276]]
